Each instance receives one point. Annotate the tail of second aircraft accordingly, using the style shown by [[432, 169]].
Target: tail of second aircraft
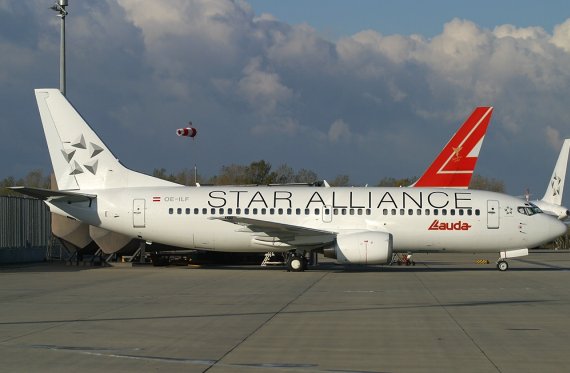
[[555, 187], [454, 166], [80, 159]]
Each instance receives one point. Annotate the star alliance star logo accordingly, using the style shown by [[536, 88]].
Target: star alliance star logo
[[555, 184]]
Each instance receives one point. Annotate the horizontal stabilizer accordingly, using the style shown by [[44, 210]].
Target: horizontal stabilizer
[[54, 195]]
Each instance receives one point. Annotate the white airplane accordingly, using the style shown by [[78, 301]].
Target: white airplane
[[354, 225], [551, 203]]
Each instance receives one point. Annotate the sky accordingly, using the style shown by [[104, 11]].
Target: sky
[[370, 89]]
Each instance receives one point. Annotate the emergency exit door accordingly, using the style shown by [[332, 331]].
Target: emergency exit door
[[138, 213], [492, 214]]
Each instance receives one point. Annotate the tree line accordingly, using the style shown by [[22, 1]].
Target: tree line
[[256, 173]]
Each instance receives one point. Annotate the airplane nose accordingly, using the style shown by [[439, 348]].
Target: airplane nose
[[558, 228]]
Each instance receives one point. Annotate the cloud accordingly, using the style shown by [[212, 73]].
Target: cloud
[[339, 131], [554, 138], [260, 88], [561, 36]]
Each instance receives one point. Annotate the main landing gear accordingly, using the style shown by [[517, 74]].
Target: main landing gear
[[296, 262]]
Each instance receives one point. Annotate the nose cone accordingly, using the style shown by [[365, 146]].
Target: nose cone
[[547, 229], [558, 228]]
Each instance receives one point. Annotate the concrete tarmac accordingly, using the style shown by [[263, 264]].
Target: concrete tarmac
[[446, 314]]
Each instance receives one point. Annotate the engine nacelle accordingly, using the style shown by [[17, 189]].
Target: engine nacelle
[[364, 247]]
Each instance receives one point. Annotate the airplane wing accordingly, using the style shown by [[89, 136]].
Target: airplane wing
[[279, 234], [54, 195]]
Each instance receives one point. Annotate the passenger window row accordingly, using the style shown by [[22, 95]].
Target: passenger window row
[[445, 212], [317, 211]]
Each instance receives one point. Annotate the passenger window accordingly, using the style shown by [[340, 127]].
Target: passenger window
[[461, 212], [307, 211], [187, 211], [298, 211], [351, 211], [221, 211], [402, 211], [335, 211], [427, 212], [327, 211], [196, 211], [469, 212], [343, 211], [419, 211], [359, 211], [289, 211], [204, 211], [171, 211], [254, 211], [477, 212], [272, 211], [246, 211], [452, 212], [280, 211], [238, 211], [410, 212], [385, 212], [230, 211], [213, 211], [263, 211], [368, 212], [443, 212], [317, 211], [436, 212], [393, 211]]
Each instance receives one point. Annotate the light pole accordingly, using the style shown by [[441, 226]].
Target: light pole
[[60, 8]]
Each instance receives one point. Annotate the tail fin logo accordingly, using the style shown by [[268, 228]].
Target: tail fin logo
[[454, 166], [456, 155], [555, 184]]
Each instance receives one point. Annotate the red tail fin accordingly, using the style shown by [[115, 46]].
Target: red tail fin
[[454, 166]]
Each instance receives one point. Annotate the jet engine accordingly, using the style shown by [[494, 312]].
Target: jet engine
[[362, 247]]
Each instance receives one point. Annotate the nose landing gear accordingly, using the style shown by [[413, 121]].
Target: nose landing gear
[[502, 265]]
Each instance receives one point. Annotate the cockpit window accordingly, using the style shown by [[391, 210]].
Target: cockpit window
[[536, 209], [529, 209]]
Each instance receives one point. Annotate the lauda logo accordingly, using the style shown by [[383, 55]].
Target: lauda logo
[[441, 226]]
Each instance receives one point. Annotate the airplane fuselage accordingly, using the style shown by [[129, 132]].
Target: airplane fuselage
[[419, 219]]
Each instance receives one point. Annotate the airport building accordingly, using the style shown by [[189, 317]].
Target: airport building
[[25, 230]]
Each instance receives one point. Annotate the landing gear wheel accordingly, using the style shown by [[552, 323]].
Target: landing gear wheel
[[296, 264], [502, 265]]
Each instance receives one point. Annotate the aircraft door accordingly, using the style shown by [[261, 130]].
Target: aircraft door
[[327, 214], [138, 213], [492, 214]]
